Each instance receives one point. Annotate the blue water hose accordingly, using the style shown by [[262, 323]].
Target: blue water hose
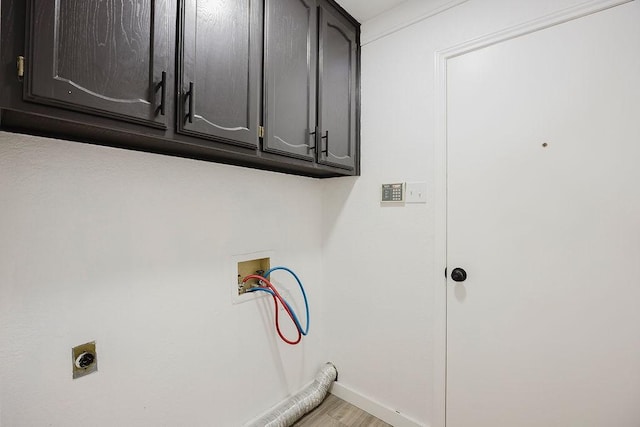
[[304, 331]]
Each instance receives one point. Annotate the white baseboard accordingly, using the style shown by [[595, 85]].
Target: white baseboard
[[376, 409]]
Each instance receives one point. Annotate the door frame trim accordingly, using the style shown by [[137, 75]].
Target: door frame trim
[[440, 153]]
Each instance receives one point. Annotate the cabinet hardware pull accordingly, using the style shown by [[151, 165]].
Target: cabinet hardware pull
[[315, 139], [162, 86], [20, 67], [326, 144], [190, 95]]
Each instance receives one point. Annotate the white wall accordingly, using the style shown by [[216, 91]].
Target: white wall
[[136, 243], [379, 261], [129, 249]]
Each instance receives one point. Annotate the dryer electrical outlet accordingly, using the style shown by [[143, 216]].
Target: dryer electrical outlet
[[84, 359]]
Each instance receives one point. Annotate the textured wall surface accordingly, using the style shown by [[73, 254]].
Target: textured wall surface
[[379, 261], [131, 250]]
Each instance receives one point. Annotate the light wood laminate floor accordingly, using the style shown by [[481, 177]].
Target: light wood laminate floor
[[335, 412]]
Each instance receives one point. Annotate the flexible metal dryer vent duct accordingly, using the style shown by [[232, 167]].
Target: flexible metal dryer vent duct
[[295, 407]]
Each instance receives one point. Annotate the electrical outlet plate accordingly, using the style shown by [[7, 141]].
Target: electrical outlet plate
[[76, 356], [241, 266], [416, 192]]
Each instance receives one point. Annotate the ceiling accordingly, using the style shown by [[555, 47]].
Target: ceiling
[[364, 10]]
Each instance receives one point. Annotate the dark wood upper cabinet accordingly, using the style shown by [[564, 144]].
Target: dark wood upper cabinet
[[268, 84], [337, 89], [291, 28], [103, 58], [220, 70]]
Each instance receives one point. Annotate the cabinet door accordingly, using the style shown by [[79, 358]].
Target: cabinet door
[[104, 58], [337, 90], [221, 47], [290, 77]]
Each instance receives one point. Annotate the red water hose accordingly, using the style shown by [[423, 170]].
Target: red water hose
[[277, 297]]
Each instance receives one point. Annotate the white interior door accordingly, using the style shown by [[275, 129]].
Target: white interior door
[[544, 216]]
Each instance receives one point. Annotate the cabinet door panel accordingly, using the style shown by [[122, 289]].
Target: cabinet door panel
[[102, 57], [290, 77], [338, 52], [221, 51]]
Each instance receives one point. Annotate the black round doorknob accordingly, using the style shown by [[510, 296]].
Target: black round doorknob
[[458, 275]]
